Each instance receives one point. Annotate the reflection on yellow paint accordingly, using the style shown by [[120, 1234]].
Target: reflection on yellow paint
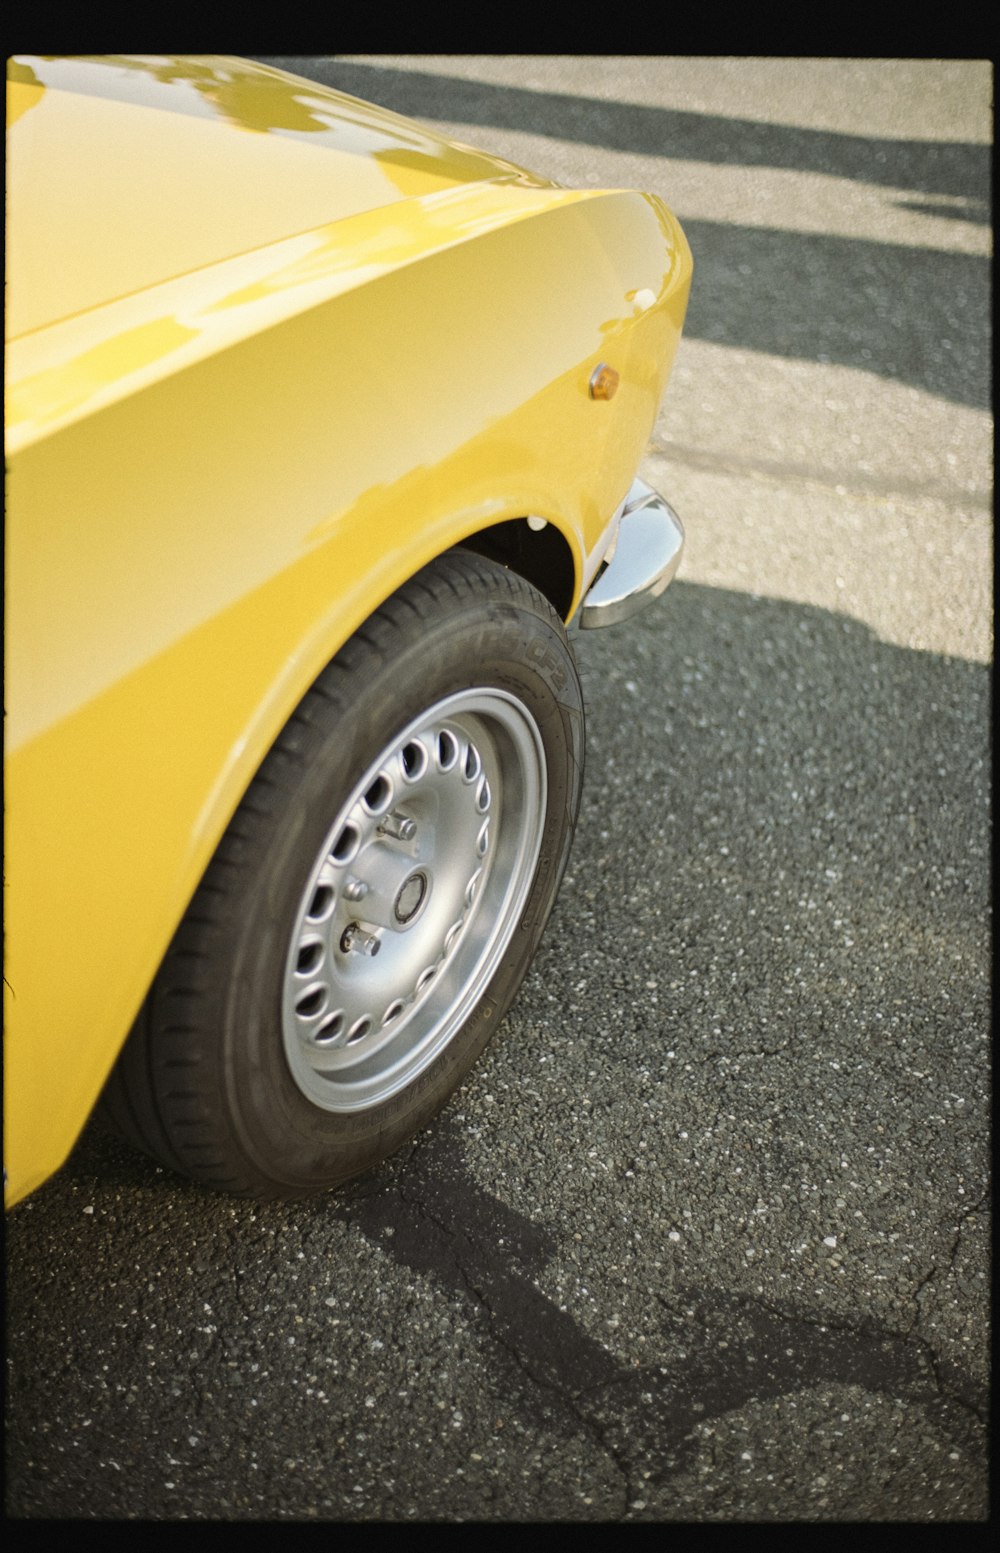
[[59, 390], [252, 97], [24, 90], [243, 95], [129, 172], [418, 171], [209, 310], [248, 101], [404, 232]]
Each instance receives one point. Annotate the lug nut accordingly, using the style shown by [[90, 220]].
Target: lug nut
[[398, 825], [354, 940], [355, 889]]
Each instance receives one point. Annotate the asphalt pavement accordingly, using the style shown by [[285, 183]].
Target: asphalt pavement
[[706, 1235]]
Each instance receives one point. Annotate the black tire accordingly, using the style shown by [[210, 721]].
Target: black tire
[[270, 1058]]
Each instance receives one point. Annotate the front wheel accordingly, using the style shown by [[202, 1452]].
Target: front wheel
[[376, 901]]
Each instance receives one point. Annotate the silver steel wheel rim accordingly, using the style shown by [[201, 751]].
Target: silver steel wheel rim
[[413, 899]]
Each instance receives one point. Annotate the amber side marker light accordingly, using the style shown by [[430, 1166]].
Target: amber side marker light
[[603, 382]]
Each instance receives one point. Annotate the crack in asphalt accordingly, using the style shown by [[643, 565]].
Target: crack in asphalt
[[935, 1361], [951, 1253], [559, 1391], [922, 1344], [501, 1328], [733, 1348]]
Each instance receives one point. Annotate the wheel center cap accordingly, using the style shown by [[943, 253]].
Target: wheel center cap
[[410, 898]]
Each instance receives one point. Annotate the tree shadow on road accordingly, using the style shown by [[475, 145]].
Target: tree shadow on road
[[911, 315], [952, 168]]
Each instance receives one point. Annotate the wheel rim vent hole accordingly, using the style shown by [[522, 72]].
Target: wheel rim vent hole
[[321, 903], [330, 1030], [308, 959], [346, 844], [447, 749], [311, 1003], [379, 795], [414, 759], [473, 764]]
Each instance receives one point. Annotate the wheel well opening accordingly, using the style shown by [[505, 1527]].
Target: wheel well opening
[[541, 556]]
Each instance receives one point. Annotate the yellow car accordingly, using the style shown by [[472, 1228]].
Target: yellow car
[[320, 428]]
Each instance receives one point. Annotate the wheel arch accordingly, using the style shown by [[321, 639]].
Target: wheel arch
[[542, 556]]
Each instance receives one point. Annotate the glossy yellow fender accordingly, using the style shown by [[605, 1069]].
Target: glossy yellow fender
[[270, 353]]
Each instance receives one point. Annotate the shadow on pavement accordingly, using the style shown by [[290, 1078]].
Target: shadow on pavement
[[910, 314], [787, 820], [950, 168]]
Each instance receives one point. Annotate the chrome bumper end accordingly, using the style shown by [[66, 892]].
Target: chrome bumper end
[[643, 560]]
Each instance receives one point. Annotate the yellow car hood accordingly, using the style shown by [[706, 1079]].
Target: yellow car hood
[[126, 171]]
